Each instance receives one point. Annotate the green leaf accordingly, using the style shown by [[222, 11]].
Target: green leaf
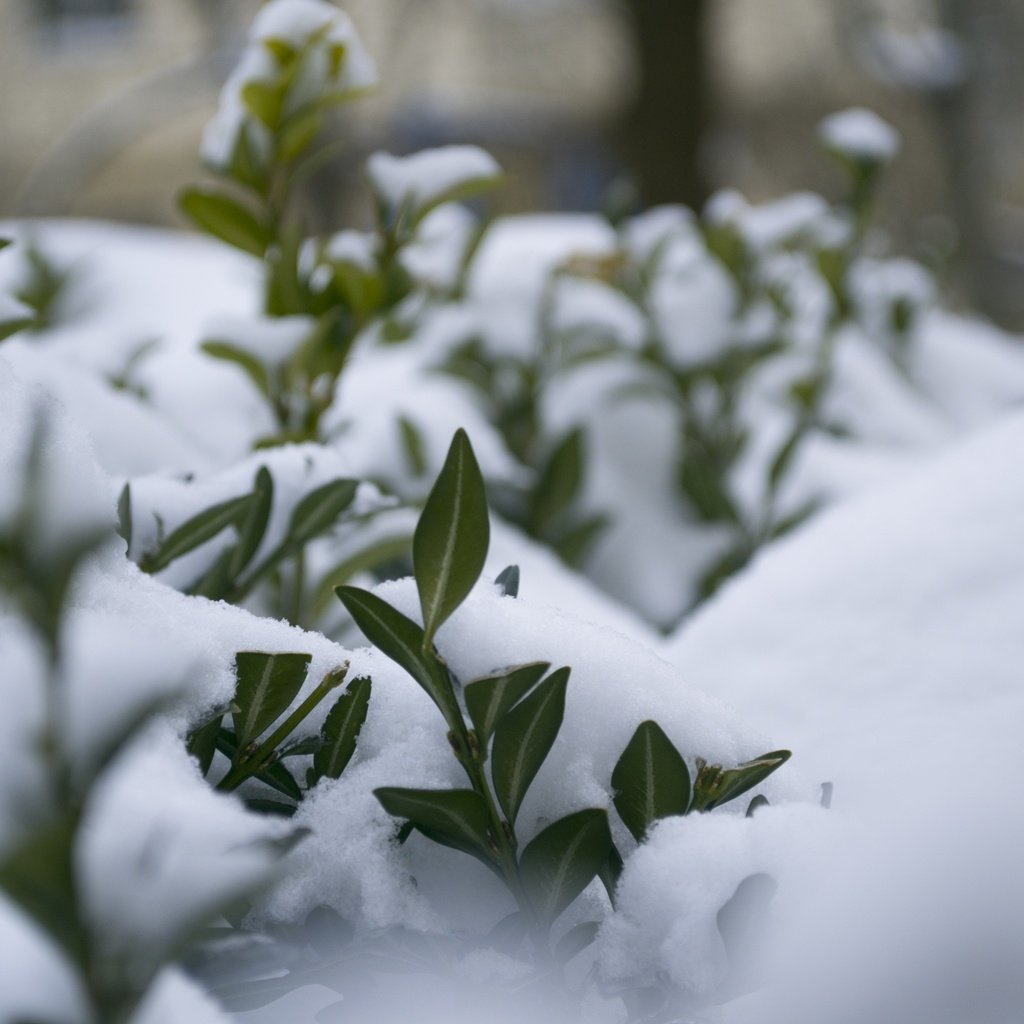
[[561, 862], [453, 817], [575, 544], [756, 804], [341, 729], [412, 444], [267, 685], [225, 218], [319, 510], [524, 738], [559, 481], [716, 785], [198, 530], [706, 492], [254, 526], [265, 101], [253, 368], [298, 132], [39, 876], [650, 780], [10, 327], [202, 742], [508, 580], [490, 697], [450, 543], [403, 642]]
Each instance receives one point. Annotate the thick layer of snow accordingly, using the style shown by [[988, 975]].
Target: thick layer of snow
[[883, 644]]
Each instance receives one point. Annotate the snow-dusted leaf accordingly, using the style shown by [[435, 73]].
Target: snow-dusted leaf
[[254, 526]]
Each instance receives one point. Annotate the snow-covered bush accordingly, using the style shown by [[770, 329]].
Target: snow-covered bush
[[208, 761]]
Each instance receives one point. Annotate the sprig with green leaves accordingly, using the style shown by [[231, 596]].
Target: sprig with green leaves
[[502, 727]]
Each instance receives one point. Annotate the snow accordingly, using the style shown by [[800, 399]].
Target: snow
[[272, 342], [428, 177], [314, 24], [860, 135]]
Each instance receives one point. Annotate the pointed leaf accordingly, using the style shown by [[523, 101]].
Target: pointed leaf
[[225, 218], [508, 580], [453, 817], [124, 516], [341, 729], [575, 940], [253, 368], [560, 480], [402, 641], [198, 530], [524, 738], [561, 862], [267, 685], [650, 781], [319, 510], [490, 697], [202, 742], [736, 781], [450, 543], [254, 526]]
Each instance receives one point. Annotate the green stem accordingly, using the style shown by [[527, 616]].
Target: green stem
[[245, 767]]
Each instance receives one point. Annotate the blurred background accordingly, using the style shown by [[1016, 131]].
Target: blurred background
[[102, 103]]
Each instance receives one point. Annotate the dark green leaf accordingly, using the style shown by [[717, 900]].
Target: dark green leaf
[[575, 544], [275, 808], [784, 457], [215, 582], [559, 481], [490, 697], [298, 133], [650, 780], [561, 862], [453, 817], [202, 742], [267, 685], [508, 580], [706, 491], [450, 543], [275, 775], [198, 530], [254, 525], [341, 729], [319, 510], [716, 785], [412, 443], [252, 367], [227, 219], [39, 876], [524, 738], [402, 641]]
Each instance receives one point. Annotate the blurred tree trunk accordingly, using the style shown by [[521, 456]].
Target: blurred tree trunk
[[665, 124]]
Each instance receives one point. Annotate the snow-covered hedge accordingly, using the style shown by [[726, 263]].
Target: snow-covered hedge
[[268, 657]]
